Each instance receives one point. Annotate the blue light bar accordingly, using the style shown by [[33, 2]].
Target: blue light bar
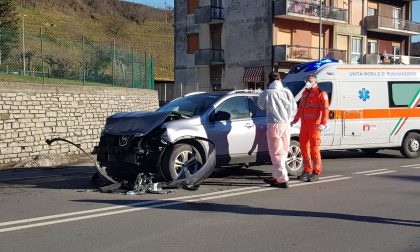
[[299, 68], [317, 64]]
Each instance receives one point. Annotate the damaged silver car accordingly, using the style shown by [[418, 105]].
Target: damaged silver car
[[183, 141]]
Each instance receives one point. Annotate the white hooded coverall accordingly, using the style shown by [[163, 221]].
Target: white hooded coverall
[[280, 106]]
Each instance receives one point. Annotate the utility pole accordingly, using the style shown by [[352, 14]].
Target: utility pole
[[320, 30], [23, 45]]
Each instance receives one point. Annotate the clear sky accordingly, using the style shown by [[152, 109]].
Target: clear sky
[[416, 17], [154, 3]]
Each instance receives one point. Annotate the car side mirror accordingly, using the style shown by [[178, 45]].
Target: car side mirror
[[220, 116]]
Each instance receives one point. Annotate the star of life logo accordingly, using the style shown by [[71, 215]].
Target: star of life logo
[[364, 94]]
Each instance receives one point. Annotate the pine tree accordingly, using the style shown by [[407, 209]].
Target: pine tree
[[8, 28]]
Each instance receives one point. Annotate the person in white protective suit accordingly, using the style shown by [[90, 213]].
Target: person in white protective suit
[[280, 106]]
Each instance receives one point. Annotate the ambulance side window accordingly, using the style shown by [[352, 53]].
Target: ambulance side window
[[404, 94], [326, 87]]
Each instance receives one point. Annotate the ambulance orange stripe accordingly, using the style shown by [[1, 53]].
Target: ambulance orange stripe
[[377, 113]]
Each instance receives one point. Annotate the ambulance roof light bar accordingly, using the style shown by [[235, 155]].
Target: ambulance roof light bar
[[312, 66]]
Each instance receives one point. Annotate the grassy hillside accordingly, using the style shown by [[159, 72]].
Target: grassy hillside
[[132, 26]]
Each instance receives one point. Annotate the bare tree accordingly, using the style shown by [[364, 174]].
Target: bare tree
[[114, 26]]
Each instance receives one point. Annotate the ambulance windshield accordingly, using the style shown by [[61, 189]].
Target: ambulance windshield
[[294, 86]]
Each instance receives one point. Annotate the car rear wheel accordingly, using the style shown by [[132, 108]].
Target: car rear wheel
[[410, 147], [294, 161], [178, 158]]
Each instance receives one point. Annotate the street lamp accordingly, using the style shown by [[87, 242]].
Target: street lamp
[[320, 30], [23, 45]]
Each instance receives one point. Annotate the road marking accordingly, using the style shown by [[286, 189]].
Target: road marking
[[55, 216], [405, 166], [163, 203], [378, 173], [417, 167], [115, 207], [363, 172]]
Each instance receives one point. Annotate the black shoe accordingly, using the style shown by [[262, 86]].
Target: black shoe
[[304, 177], [313, 178], [269, 180], [281, 185]]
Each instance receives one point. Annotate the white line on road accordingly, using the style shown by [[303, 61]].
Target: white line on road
[[379, 173], [165, 203], [137, 204], [363, 172], [417, 167], [103, 209], [405, 166]]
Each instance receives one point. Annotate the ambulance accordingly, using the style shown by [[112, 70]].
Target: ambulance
[[372, 107]]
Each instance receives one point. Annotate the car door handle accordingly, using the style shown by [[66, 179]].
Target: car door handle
[[249, 125]]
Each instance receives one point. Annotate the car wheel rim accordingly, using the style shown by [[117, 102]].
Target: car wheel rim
[[185, 158], [294, 158], [414, 145]]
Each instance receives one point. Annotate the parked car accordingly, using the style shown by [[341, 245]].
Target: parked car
[[181, 136]]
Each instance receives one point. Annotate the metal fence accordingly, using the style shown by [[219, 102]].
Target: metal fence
[[37, 55], [169, 91]]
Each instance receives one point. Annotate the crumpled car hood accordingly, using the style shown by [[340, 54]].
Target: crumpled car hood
[[134, 123]]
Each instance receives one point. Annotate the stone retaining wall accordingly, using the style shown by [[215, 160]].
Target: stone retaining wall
[[31, 113]]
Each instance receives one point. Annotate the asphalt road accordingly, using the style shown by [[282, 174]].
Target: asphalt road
[[361, 204]]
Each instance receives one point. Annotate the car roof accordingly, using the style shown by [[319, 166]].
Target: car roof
[[224, 93]]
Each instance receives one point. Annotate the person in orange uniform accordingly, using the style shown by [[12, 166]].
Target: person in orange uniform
[[313, 113]]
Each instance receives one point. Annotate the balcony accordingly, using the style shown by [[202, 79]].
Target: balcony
[[375, 58], [309, 12], [209, 57], [392, 25], [296, 53], [209, 14]]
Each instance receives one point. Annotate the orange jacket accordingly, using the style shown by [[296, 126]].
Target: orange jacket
[[313, 107]]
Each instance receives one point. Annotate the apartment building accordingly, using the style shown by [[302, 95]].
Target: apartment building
[[234, 44]]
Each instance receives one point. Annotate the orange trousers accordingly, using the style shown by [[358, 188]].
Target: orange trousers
[[310, 139]]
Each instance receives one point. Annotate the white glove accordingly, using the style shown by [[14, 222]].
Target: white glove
[[322, 127]]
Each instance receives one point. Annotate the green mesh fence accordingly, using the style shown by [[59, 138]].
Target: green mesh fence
[[40, 56]]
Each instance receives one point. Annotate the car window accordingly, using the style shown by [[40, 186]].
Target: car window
[[326, 87], [404, 94], [255, 110], [294, 86], [237, 107], [191, 105]]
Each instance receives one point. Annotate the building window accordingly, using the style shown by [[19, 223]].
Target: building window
[[216, 3], [192, 43], [356, 50], [372, 9], [192, 6], [396, 48], [284, 37], [397, 16], [372, 46]]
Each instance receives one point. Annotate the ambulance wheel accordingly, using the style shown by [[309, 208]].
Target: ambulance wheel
[[294, 161], [410, 147], [370, 151]]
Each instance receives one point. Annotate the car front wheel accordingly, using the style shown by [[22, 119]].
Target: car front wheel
[[294, 162], [178, 159], [410, 147]]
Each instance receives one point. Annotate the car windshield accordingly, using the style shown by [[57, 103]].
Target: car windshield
[[294, 86], [192, 105]]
